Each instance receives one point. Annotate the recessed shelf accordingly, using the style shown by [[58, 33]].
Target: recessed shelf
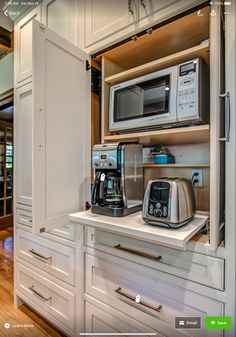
[[183, 135], [201, 51], [178, 165]]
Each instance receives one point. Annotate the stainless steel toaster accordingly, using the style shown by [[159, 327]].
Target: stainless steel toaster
[[169, 202]]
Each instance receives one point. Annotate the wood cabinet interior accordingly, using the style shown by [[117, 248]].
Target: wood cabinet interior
[[183, 33], [180, 40]]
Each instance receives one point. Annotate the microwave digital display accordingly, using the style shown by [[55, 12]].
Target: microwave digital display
[[186, 68], [144, 99]]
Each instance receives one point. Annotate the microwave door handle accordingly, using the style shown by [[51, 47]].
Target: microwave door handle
[[96, 187]]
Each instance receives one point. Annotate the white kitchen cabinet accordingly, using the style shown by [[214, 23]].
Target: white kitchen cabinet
[[65, 231], [23, 45], [52, 257], [23, 119], [206, 270], [23, 216], [60, 16], [107, 20], [61, 129], [117, 283], [51, 298], [101, 318], [153, 11]]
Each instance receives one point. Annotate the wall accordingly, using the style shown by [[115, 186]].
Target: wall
[[6, 72]]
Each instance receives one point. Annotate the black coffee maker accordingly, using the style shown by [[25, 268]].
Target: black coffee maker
[[118, 182]]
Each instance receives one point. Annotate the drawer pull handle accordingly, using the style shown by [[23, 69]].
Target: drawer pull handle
[[120, 292], [39, 295], [136, 252], [32, 251]]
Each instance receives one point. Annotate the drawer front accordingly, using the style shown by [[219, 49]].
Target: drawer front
[[65, 232], [102, 319], [110, 281], [24, 217], [52, 257], [55, 300], [203, 269]]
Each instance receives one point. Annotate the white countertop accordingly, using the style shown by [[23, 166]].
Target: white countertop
[[133, 226]]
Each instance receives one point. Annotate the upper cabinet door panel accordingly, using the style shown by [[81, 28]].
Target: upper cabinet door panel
[[154, 11], [62, 128], [23, 44], [60, 16], [218, 124], [104, 18], [23, 145]]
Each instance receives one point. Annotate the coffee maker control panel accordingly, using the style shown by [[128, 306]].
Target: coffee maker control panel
[[104, 157]]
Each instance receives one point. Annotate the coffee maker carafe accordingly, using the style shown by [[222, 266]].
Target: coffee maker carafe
[[118, 182]]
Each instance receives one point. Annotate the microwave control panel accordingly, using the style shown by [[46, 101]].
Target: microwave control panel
[[187, 93]]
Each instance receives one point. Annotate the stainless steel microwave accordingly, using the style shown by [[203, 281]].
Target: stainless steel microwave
[[178, 95]]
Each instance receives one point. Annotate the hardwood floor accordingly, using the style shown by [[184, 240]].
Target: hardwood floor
[[23, 322]]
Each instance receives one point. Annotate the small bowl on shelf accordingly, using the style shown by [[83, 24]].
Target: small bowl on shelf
[[163, 158]]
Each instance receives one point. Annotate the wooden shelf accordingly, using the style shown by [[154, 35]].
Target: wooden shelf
[[183, 135], [201, 50], [152, 165]]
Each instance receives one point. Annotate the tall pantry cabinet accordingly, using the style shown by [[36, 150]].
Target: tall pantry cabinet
[[52, 167]]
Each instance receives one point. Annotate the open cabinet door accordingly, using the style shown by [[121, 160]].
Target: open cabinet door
[[61, 165], [219, 126]]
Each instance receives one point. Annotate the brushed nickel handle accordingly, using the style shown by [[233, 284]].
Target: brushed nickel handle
[[133, 298], [32, 251], [35, 292], [136, 252], [226, 95]]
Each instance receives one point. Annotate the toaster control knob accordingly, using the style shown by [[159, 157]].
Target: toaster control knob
[[165, 211], [151, 210], [158, 213]]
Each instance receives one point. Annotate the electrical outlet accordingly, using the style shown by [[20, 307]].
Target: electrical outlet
[[197, 180]]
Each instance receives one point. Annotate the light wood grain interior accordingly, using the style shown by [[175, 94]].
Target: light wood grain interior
[[202, 196], [200, 51], [95, 120], [181, 135], [187, 158], [184, 33], [173, 43]]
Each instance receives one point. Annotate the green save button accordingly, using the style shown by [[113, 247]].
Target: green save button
[[218, 322]]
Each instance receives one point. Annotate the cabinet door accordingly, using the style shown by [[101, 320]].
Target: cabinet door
[[107, 20], [217, 120], [23, 44], [62, 129], [23, 121], [103, 319], [153, 10], [60, 16]]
